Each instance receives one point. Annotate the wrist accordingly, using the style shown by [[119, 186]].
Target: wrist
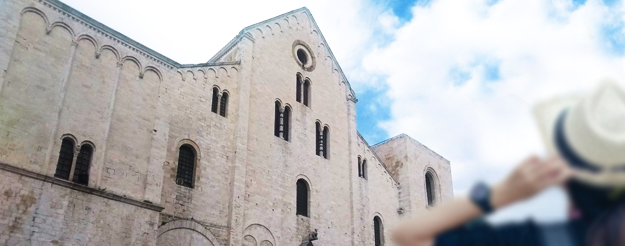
[[501, 196]]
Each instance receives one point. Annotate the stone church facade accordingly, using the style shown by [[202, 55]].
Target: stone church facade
[[104, 141]]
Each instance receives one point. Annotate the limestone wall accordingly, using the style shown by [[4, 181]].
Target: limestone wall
[[38, 212], [408, 161], [66, 75]]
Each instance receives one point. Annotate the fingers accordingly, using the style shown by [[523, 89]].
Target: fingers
[[553, 171]]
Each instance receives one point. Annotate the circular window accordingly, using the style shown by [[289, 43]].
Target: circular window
[[303, 55]]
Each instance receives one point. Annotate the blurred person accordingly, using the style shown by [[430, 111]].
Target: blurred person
[[586, 139]]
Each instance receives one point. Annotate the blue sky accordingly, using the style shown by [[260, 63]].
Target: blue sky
[[460, 76]]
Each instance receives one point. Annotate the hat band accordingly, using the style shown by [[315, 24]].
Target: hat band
[[569, 154]]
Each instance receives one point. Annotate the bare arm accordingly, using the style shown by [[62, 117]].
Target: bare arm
[[529, 178]]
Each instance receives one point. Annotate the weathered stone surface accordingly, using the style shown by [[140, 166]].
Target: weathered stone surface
[[66, 75]]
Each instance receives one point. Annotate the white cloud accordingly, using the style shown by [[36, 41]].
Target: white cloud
[[485, 127]]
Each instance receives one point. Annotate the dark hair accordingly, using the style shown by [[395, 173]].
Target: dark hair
[[609, 228], [602, 213]]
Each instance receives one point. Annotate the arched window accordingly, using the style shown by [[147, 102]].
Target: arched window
[[223, 104], [359, 167], [302, 198], [364, 169], [83, 162], [186, 166], [66, 158], [215, 101], [378, 231], [286, 118], [318, 140], [306, 92], [430, 188], [298, 86], [282, 121], [325, 139]]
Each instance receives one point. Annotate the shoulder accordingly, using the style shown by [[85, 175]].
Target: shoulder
[[560, 234]]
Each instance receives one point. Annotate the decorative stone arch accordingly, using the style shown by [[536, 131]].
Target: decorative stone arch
[[108, 47], [304, 177], [71, 136], [261, 32], [199, 70], [155, 70], [62, 25], [270, 29], [211, 69], [88, 38], [279, 26], [87, 142], [38, 12], [195, 146], [181, 75], [235, 69], [296, 20], [430, 176], [133, 59], [260, 235], [191, 225], [225, 70], [192, 73]]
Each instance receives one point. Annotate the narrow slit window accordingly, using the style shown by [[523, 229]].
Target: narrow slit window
[[298, 90], [286, 118], [215, 100], [66, 157], [429, 189], [302, 198], [306, 93], [276, 123], [223, 104], [83, 162], [359, 167], [364, 169], [186, 166], [378, 231], [318, 139], [325, 139]]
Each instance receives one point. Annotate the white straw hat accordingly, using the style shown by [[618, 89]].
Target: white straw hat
[[589, 132]]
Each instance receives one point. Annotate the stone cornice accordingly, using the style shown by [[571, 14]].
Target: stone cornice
[[77, 187]]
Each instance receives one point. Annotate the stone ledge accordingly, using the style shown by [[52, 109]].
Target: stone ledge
[[81, 188]]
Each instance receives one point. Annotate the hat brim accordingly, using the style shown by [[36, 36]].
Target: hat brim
[[546, 114]]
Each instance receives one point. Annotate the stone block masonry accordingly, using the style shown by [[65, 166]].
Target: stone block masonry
[[79, 99]]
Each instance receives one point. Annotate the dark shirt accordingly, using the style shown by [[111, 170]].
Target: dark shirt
[[525, 233]]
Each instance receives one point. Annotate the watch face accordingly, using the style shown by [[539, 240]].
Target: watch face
[[480, 191]]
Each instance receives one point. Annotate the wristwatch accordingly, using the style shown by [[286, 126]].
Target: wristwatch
[[480, 195]]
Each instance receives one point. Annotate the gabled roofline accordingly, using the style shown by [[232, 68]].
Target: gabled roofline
[[410, 138], [241, 34], [377, 157]]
